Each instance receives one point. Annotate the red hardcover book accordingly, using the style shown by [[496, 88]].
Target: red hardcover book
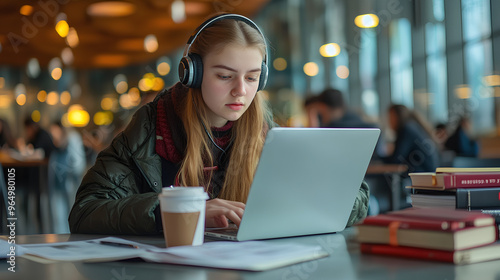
[[412, 223], [431, 215], [433, 228], [442, 181], [473, 255]]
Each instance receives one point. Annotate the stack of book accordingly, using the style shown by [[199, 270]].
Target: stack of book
[[473, 189], [449, 235]]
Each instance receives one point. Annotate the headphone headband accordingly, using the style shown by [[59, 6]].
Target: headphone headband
[[212, 20], [191, 66]]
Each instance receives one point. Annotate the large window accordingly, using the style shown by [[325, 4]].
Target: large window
[[400, 61], [478, 62], [368, 72], [435, 45]]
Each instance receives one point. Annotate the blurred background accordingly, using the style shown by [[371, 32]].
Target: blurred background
[[79, 69]]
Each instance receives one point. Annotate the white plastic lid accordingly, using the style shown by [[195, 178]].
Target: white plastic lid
[[183, 191]]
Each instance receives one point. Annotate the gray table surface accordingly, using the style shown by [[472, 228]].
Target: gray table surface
[[345, 262]]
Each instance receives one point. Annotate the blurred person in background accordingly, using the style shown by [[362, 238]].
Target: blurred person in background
[[329, 110], [461, 141], [36, 138], [415, 144], [7, 140], [67, 164]]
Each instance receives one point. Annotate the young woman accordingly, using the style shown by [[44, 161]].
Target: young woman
[[209, 133]]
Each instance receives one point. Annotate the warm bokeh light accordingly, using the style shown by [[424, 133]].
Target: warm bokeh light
[[178, 11], [163, 68], [279, 64], [72, 39], [121, 87], [134, 95], [62, 28], [111, 9], [2, 82], [147, 82], [492, 80], [366, 21], [329, 50], [463, 91], [52, 98], [150, 43], [78, 118], [56, 73], [342, 72], [124, 101], [21, 99], [5, 101], [26, 10], [42, 96], [65, 97], [67, 56], [36, 116], [107, 103], [103, 118], [158, 84], [311, 69]]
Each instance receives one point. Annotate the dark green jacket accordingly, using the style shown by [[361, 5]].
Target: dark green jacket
[[119, 194]]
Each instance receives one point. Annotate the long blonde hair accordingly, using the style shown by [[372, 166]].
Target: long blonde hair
[[248, 132]]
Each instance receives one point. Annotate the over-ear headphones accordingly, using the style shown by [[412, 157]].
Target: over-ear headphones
[[191, 64]]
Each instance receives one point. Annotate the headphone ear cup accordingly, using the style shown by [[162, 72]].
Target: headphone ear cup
[[197, 63], [184, 72], [191, 70], [264, 72]]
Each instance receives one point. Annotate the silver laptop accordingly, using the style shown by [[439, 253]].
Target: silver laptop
[[306, 183]]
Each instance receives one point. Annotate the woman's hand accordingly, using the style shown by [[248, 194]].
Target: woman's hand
[[218, 211]]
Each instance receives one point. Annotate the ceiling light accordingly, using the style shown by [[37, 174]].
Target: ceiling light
[[342, 72], [67, 56], [26, 10], [111, 9], [280, 64], [178, 10], [62, 28], [52, 98], [41, 96], [150, 43], [33, 68], [366, 21], [329, 50], [311, 69], [72, 38]]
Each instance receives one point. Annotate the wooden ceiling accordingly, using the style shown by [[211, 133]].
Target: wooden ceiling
[[104, 41]]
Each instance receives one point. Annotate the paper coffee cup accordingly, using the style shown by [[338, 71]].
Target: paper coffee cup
[[183, 215]]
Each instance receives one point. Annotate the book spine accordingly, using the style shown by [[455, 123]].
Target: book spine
[[407, 252], [409, 223], [470, 180], [477, 198]]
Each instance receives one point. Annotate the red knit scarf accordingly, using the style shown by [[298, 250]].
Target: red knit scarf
[[164, 132], [164, 142]]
